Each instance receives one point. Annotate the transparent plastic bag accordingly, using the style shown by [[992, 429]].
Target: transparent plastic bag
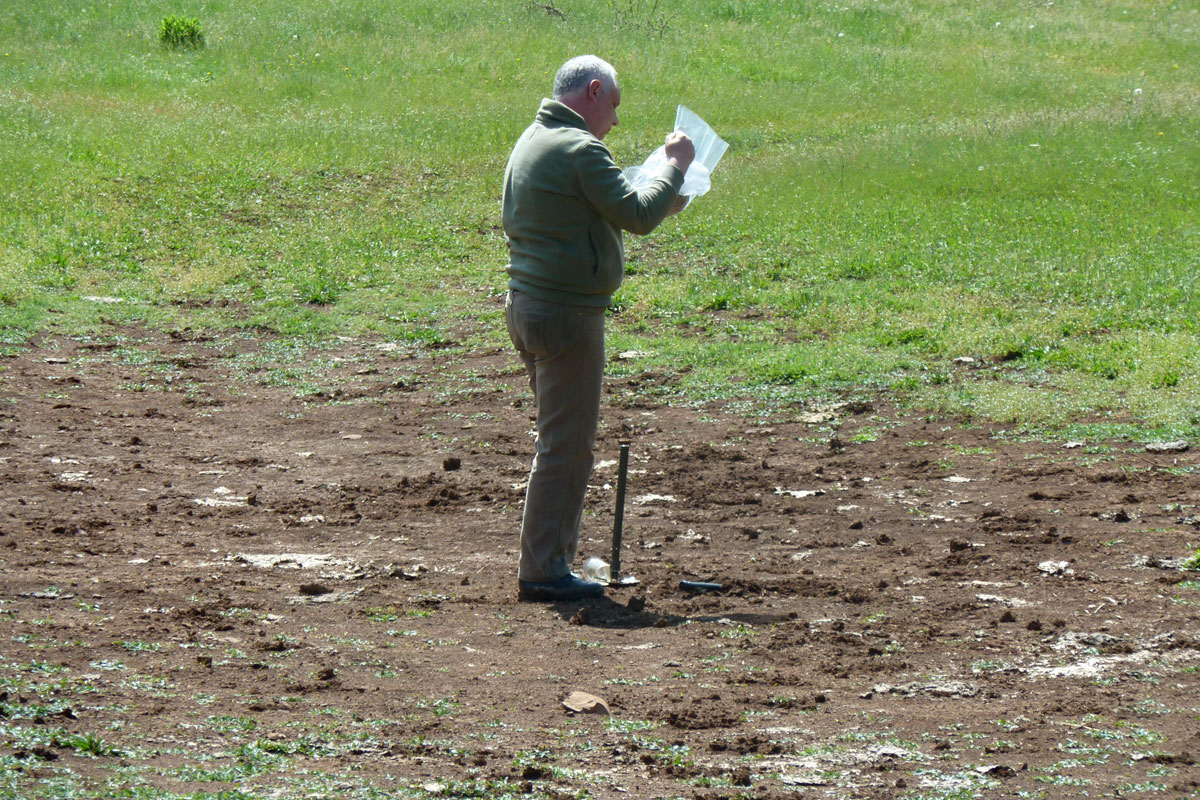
[[698, 178], [709, 146], [597, 569]]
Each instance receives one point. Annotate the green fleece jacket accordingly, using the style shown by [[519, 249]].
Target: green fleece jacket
[[565, 204]]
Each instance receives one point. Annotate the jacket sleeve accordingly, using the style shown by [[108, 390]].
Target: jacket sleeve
[[606, 188]]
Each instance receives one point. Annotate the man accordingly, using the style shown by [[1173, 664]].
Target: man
[[565, 205]]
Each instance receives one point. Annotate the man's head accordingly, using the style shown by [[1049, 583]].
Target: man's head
[[588, 86]]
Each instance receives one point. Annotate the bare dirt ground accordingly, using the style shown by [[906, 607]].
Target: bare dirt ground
[[216, 587]]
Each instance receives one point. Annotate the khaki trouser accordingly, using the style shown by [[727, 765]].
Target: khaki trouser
[[563, 350]]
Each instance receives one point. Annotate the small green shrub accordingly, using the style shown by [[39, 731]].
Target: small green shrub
[[1192, 564], [90, 744], [181, 33], [1165, 379]]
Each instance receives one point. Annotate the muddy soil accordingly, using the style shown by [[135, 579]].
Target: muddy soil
[[243, 568]]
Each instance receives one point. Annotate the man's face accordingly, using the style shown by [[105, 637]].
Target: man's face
[[604, 112]]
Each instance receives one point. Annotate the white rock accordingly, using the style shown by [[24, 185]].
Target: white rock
[[798, 493], [1179, 446], [1015, 602], [643, 499]]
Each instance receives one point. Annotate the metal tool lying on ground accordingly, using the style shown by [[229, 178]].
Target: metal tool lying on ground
[[699, 587]]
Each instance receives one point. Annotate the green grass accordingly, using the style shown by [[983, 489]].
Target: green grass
[[907, 184]]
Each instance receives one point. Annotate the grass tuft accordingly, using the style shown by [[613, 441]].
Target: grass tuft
[[181, 33]]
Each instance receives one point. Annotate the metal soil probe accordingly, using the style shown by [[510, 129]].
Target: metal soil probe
[[619, 521]]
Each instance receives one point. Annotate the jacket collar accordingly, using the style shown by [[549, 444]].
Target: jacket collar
[[556, 114]]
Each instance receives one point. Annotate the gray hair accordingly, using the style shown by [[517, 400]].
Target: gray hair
[[579, 72]]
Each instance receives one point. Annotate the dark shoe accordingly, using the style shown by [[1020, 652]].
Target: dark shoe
[[568, 587]]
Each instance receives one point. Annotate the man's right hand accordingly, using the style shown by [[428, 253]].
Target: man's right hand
[[680, 151]]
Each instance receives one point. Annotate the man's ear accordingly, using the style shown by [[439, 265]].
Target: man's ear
[[594, 89]]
